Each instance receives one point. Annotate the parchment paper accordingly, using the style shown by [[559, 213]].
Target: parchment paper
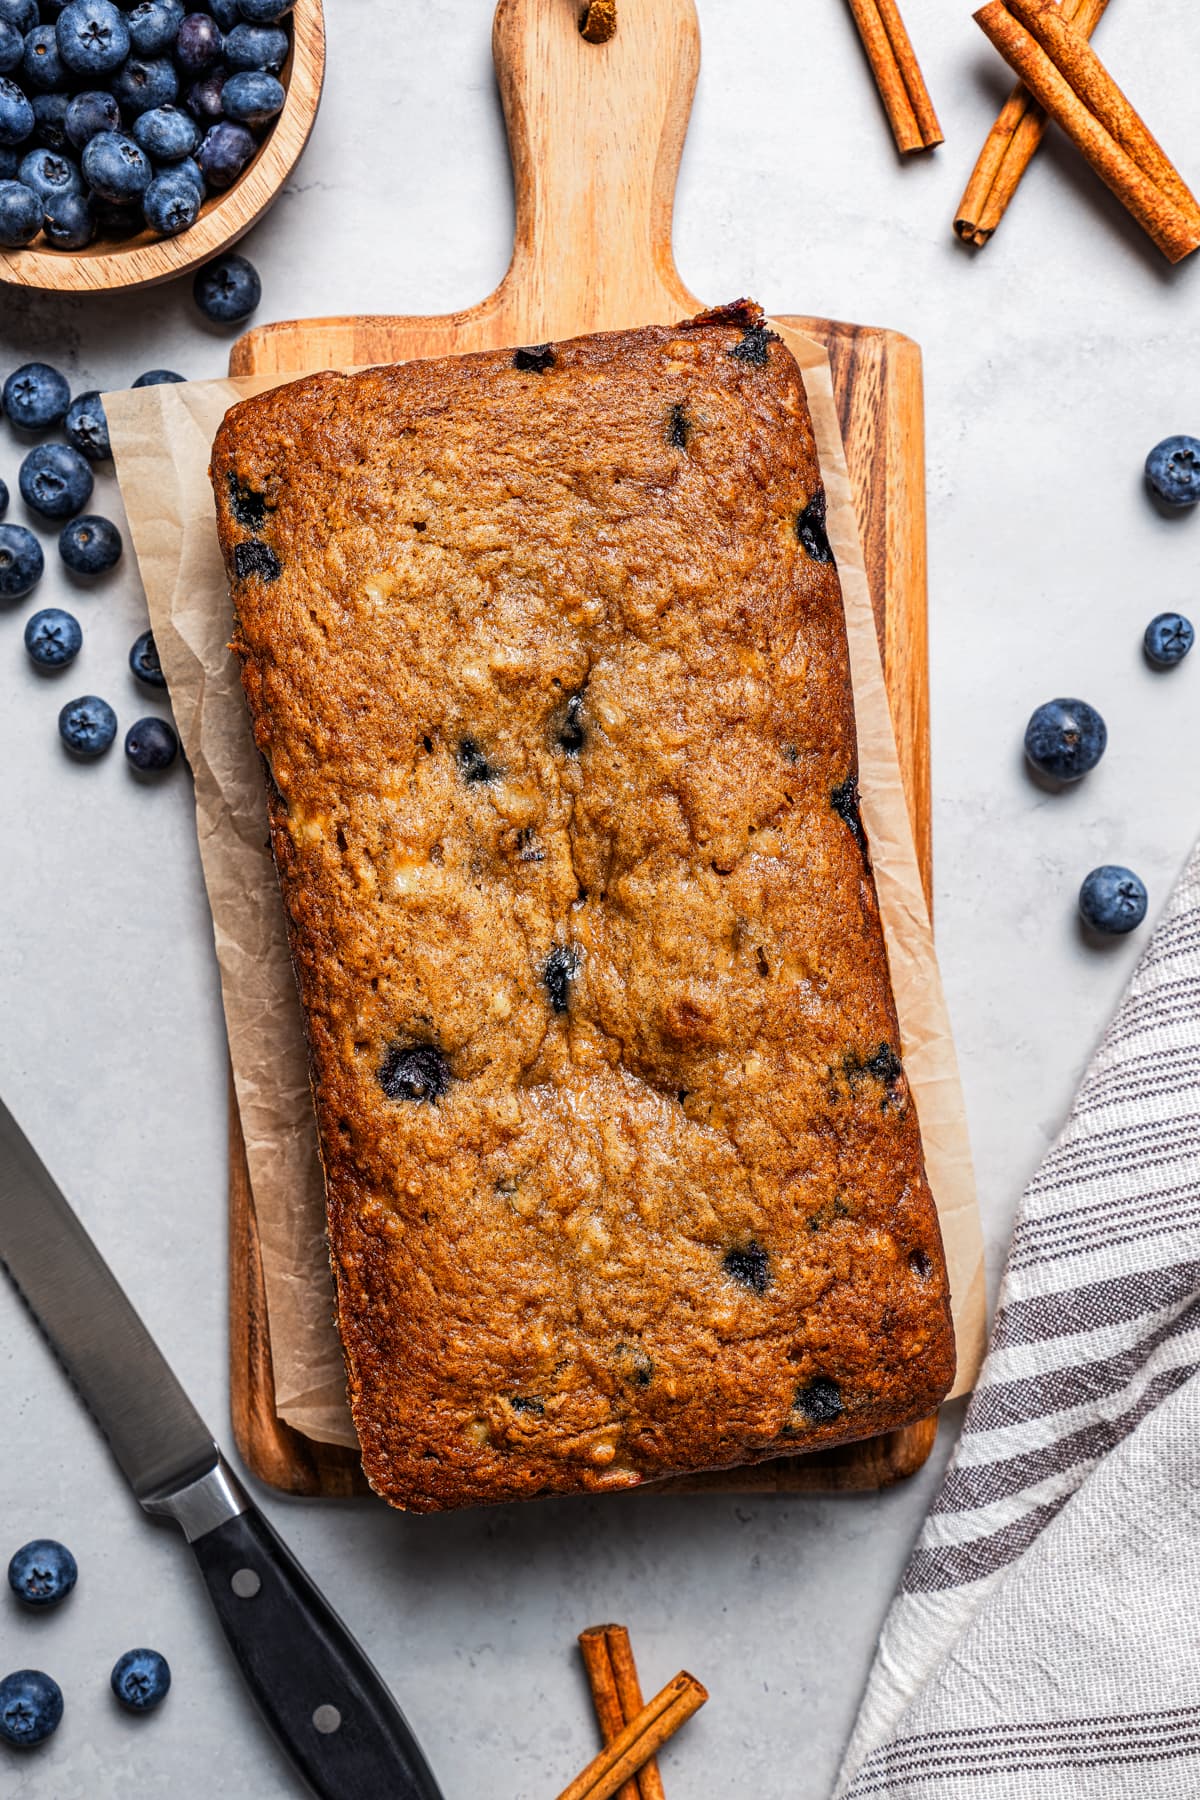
[[161, 439]]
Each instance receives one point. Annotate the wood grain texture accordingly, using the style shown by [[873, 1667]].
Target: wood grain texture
[[596, 133], [147, 259]]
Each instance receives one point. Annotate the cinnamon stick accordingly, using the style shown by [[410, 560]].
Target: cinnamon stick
[[1064, 74], [617, 1696], [897, 75], [645, 1734], [1012, 145]]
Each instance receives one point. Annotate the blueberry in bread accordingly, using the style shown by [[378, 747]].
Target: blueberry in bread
[[545, 655]]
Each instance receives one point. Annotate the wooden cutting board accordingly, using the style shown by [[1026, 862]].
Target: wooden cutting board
[[596, 132]]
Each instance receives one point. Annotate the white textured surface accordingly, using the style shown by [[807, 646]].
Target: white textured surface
[[1053, 362]]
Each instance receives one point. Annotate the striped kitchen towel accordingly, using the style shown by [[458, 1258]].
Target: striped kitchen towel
[[1046, 1637]]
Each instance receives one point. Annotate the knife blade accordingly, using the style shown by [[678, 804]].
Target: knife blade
[[316, 1688]]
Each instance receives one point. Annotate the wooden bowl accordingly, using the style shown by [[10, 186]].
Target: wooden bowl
[[143, 260]]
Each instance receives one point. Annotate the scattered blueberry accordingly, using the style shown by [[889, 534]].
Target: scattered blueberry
[[53, 639], [203, 98], [43, 1572], [92, 36], [1065, 738], [55, 481], [166, 133], [90, 113], [41, 64], [256, 47], [151, 745], [1168, 639], [70, 222], [156, 378], [20, 215], [90, 545], [50, 120], [228, 289], [153, 25], [1173, 471], [1113, 900], [87, 726], [252, 97], [50, 174], [116, 167], [36, 396], [16, 113], [145, 82], [12, 46], [198, 42], [264, 12], [31, 1708], [224, 151], [171, 203], [87, 427], [143, 660], [140, 1679], [21, 562]]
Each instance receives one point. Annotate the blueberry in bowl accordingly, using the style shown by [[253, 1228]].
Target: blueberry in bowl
[[1064, 739], [1113, 900], [69, 222], [171, 203]]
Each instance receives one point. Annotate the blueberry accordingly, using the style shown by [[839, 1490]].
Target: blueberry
[[143, 660], [92, 36], [16, 113], [166, 133], [116, 168], [197, 42], [118, 221], [820, 1401], [750, 1266], [90, 113], [534, 358], [414, 1072], [31, 1708], [753, 346], [559, 971], [21, 13], [1173, 471], [225, 12], [203, 98], [1113, 900], [473, 764], [171, 203], [256, 47], [21, 562], [156, 378], [50, 120], [53, 639], [90, 545], [145, 82], [140, 1679], [70, 223], [36, 396], [87, 726], [229, 288], [153, 25], [810, 529], [20, 215], [50, 174], [191, 168], [572, 734], [1168, 639], [41, 65], [10, 162], [43, 1572], [1065, 738], [224, 151], [55, 481], [151, 746], [87, 428], [252, 97], [12, 46], [264, 12]]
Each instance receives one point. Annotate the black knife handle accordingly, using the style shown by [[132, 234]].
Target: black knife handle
[[325, 1703]]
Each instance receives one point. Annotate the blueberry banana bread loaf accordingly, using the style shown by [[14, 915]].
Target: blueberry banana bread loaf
[[546, 658]]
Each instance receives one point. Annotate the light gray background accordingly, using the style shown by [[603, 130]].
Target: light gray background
[[1053, 362]]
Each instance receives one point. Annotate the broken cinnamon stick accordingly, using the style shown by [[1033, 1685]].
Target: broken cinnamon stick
[[645, 1734], [1064, 74], [617, 1696], [897, 75], [1012, 145]]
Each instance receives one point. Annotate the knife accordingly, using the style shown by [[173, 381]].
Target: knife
[[318, 1692]]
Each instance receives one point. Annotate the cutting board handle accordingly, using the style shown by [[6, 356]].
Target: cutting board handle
[[595, 132]]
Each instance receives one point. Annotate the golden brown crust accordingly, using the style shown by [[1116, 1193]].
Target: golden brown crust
[[546, 656]]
